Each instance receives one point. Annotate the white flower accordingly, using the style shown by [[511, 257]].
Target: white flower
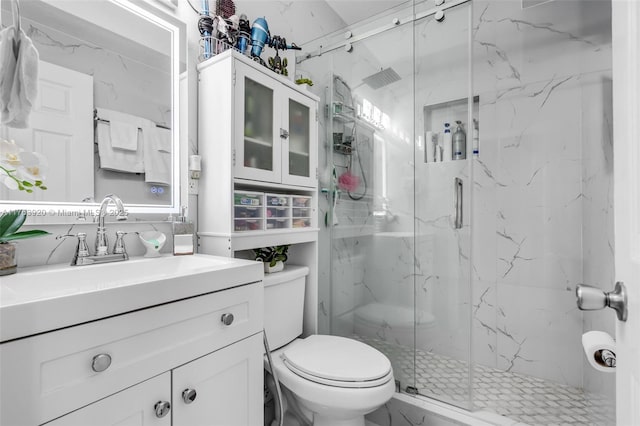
[[23, 170]]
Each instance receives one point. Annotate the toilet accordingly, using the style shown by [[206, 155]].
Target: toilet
[[330, 380]]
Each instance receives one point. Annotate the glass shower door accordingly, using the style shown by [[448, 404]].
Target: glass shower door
[[370, 155], [446, 115]]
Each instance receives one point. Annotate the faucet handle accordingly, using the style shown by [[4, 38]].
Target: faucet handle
[[119, 247], [83, 247]]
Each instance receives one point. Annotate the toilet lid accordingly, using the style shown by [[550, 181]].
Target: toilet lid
[[338, 361]]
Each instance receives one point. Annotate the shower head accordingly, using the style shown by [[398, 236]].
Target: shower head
[[381, 78]]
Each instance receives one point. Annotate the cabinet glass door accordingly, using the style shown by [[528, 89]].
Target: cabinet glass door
[[298, 139], [298, 156], [258, 125]]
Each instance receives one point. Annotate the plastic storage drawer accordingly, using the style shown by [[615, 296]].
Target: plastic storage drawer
[[300, 201], [247, 198]]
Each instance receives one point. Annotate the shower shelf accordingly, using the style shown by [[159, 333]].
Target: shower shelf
[[344, 118]]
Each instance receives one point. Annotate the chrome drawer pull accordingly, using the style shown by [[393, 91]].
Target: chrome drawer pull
[[162, 408], [227, 319], [189, 395], [101, 362]]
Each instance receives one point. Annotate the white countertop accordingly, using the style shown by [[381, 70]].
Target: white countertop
[[45, 298]]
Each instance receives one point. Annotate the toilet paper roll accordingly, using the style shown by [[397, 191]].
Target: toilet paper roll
[[594, 343]]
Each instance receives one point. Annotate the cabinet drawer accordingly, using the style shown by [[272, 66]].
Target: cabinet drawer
[[301, 201], [247, 212], [282, 223], [273, 212], [240, 225], [277, 200], [247, 198], [51, 374]]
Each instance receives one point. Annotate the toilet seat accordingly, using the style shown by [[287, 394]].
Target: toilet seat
[[338, 361]]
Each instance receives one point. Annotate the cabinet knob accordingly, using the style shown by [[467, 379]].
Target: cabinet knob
[[162, 408], [227, 319], [189, 395], [101, 362], [284, 134]]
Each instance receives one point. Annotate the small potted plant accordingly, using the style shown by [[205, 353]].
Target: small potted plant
[[10, 222], [273, 257]]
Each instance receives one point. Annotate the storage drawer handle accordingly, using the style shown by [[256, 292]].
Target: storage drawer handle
[[101, 362], [227, 319], [162, 408], [189, 395]]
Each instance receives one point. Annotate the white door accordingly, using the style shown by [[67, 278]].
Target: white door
[[145, 404], [221, 389], [61, 129], [626, 108]]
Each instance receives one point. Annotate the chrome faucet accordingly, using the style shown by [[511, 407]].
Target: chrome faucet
[[102, 243]]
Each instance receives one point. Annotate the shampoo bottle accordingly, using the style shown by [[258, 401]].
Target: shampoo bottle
[[459, 143], [447, 148], [476, 138]]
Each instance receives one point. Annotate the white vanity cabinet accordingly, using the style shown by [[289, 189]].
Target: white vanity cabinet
[[135, 406], [258, 121], [133, 368]]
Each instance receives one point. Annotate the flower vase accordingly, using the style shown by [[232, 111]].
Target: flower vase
[[268, 269], [8, 263]]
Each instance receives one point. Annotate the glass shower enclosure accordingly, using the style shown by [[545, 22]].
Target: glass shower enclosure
[[466, 160]]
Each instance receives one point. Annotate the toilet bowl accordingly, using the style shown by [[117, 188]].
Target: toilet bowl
[[334, 381]]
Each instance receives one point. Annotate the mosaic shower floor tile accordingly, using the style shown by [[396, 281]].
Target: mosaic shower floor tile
[[521, 398]]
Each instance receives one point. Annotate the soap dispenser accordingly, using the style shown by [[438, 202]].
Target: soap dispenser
[[459, 143], [182, 235]]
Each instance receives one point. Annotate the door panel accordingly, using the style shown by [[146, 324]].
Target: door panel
[[131, 407], [227, 385], [61, 129], [626, 80]]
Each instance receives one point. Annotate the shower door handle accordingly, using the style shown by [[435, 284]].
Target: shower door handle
[[457, 203]]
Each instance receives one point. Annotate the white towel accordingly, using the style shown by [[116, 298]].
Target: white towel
[[157, 160], [117, 159], [16, 107], [163, 139], [7, 69], [124, 135]]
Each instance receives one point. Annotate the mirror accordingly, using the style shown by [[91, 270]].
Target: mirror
[[106, 115]]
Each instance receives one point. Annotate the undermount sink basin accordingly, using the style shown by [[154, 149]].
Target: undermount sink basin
[[45, 298]]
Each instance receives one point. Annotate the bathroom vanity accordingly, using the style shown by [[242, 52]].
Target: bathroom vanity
[[171, 340]]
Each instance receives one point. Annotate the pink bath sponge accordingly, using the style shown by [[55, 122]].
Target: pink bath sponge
[[348, 181]]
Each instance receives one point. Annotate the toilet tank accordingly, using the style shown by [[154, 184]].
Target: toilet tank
[[284, 304]]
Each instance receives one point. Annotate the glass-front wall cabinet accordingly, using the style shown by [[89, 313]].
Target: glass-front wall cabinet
[[279, 128]]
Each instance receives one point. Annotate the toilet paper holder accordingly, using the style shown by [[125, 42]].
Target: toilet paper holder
[[592, 299], [607, 358]]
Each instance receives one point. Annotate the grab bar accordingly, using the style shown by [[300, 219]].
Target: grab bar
[[457, 203]]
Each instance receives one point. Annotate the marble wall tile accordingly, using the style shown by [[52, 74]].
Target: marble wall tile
[[515, 45], [539, 332], [484, 331]]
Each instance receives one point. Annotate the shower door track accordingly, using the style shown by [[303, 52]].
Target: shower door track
[[379, 30]]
